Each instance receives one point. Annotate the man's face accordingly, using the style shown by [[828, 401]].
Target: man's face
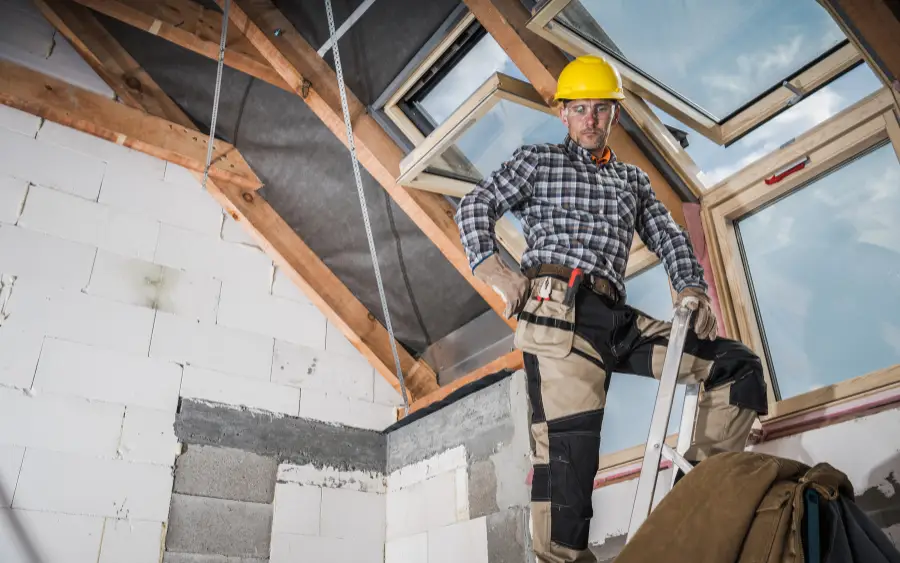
[[589, 121]]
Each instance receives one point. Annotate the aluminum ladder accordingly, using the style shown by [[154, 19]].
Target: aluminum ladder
[[662, 410]]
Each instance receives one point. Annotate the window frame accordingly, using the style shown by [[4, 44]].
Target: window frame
[[833, 143], [772, 102], [392, 107]]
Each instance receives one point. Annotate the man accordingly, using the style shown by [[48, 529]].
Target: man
[[579, 208]]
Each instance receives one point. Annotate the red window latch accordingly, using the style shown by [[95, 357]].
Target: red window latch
[[787, 171]]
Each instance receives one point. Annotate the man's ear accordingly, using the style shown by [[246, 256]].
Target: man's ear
[[617, 109], [562, 114]]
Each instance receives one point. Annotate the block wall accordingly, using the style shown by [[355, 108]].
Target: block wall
[[123, 288]]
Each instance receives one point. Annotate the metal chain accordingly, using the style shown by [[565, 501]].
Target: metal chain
[[215, 110], [362, 203]]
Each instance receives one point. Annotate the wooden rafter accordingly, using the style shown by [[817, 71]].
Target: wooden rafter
[[135, 87], [189, 25], [58, 101], [541, 63], [308, 73]]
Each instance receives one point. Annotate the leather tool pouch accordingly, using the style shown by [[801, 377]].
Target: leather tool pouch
[[546, 325]]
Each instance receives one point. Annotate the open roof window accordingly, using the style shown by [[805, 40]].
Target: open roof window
[[722, 67], [447, 76]]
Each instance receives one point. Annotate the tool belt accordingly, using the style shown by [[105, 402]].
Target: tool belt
[[546, 325], [600, 286]]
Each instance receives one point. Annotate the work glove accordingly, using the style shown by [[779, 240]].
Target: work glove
[[509, 284], [697, 300]]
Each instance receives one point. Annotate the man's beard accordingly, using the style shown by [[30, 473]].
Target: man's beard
[[597, 141]]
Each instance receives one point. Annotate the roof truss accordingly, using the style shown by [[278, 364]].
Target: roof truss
[[100, 116]]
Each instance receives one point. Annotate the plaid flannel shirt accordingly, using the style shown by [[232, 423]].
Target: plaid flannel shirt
[[576, 213]]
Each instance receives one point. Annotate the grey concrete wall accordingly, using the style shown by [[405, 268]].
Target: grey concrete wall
[[493, 427]]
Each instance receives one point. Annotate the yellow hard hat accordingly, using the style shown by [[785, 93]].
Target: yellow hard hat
[[589, 77]]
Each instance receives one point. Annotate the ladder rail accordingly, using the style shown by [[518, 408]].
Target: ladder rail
[[659, 423]]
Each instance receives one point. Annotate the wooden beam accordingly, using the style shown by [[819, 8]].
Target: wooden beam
[[305, 71], [275, 236], [105, 56], [541, 63], [58, 101], [874, 27], [189, 25], [512, 361]]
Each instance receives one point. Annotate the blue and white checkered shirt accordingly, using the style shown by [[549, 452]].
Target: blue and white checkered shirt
[[576, 213]]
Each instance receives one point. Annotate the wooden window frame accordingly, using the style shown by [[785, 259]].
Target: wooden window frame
[[768, 106], [392, 106], [844, 137]]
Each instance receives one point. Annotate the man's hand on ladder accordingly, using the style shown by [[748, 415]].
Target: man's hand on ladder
[[698, 301]]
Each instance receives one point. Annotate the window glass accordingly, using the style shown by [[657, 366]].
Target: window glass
[[493, 139], [630, 400], [485, 58], [717, 162], [824, 265], [718, 55]]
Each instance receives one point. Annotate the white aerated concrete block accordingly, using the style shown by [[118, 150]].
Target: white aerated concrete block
[[19, 353], [426, 505], [332, 478], [180, 206], [177, 174], [297, 509], [75, 316], [234, 232], [69, 368], [25, 29], [10, 463], [385, 394], [117, 157], [212, 347], [336, 342], [210, 256], [259, 312], [308, 368], [333, 407], [59, 423], [60, 482], [148, 436], [43, 257], [465, 541], [291, 548], [448, 461], [50, 166], [195, 297], [352, 514], [411, 549], [56, 538], [216, 386], [19, 121], [406, 512], [131, 542], [74, 218], [283, 287], [12, 198]]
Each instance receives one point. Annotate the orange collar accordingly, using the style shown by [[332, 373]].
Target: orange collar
[[607, 154]]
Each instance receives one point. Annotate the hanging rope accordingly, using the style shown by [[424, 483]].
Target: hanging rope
[[215, 110], [363, 206]]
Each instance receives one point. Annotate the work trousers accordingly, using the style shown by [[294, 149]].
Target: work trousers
[[569, 354]]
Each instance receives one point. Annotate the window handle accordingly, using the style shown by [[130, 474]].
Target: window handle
[[796, 166]]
